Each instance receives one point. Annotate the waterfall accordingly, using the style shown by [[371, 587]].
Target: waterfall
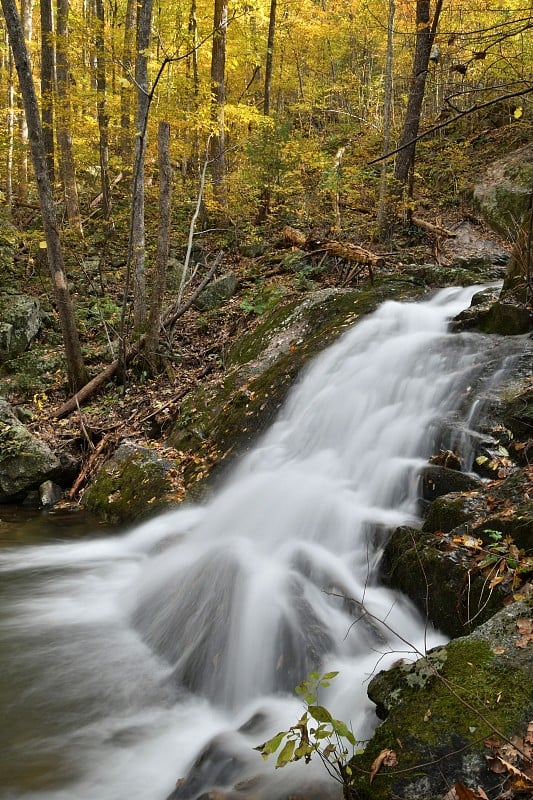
[[128, 656]]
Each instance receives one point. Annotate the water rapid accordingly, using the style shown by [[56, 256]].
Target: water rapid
[[124, 657]]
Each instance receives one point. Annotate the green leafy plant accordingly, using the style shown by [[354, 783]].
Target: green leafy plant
[[318, 733], [262, 299]]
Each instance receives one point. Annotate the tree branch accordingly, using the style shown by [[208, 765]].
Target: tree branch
[[471, 110]]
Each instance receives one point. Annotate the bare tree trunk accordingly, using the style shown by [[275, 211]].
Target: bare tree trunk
[[48, 83], [264, 202], [218, 93], [163, 241], [10, 129], [269, 62], [383, 215], [192, 103], [137, 244], [128, 50], [101, 107], [75, 367], [26, 14], [64, 119], [425, 35]]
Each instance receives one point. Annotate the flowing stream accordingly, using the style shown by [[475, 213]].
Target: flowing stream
[[124, 656]]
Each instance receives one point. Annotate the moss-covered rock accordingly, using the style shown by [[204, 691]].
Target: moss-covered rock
[[437, 481], [135, 483], [216, 293], [504, 192], [25, 461], [20, 320], [441, 709], [440, 579], [506, 318]]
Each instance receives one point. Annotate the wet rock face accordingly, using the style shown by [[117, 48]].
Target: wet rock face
[[504, 192]]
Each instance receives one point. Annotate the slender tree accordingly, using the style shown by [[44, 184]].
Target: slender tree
[[426, 29], [48, 83], [75, 366], [101, 107], [269, 61], [26, 18], [218, 95], [383, 210], [137, 244], [163, 239], [128, 55], [64, 118]]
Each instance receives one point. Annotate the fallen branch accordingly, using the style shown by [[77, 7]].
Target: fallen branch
[[86, 391], [438, 230], [169, 320], [173, 314], [88, 467]]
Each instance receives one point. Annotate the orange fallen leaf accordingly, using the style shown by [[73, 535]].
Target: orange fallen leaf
[[387, 758], [464, 793]]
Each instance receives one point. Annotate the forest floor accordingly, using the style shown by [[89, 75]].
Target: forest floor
[[144, 409], [268, 271]]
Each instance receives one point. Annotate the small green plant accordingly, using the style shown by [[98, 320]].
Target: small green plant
[[262, 299], [315, 733]]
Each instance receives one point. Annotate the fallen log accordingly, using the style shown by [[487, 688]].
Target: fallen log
[[169, 320], [346, 250], [438, 230]]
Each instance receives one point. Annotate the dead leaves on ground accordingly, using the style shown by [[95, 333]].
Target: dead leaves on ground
[[514, 758]]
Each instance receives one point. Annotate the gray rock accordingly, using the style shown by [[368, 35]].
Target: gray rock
[[20, 320], [50, 494], [216, 293], [25, 461], [505, 190]]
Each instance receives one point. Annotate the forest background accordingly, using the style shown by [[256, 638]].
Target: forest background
[[174, 141]]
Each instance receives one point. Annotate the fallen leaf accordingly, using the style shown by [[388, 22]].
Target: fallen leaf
[[528, 741], [451, 795], [524, 625], [384, 758], [481, 793], [464, 793]]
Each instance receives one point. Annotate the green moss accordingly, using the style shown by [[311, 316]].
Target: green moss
[[506, 319], [132, 485], [440, 580], [429, 721]]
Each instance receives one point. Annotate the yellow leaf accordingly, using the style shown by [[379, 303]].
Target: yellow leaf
[[42, 245], [517, 113]]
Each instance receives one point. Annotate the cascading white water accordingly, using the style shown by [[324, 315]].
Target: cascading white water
[[123, 657]]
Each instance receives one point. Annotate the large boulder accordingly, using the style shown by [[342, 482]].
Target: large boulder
[[450, 715], [20, 320], [25, 461], [504, 192], [135, 483]]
